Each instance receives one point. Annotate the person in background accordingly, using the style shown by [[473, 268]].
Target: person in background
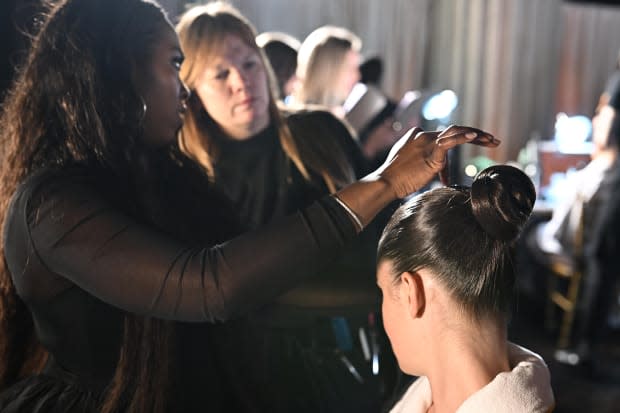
[[111, 237], [371, 71], [601, 285], [328, 68], [557, 236], [613, 82], [446, 277], [378, 134], [281, 50], [270, 161], [572, 231]]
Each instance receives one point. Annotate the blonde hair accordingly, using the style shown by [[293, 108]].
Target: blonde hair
[[320, 56], [201, 31]]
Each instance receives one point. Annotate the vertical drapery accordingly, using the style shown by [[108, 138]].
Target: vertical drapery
[[590, 48], [500, 58], [513, 63]]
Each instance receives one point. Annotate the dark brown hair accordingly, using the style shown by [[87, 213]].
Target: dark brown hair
[[465, 237], [75, 102]]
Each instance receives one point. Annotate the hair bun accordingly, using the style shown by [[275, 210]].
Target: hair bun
[[502, 198]]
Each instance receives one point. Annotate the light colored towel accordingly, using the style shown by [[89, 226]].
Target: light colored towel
[[525, 389]]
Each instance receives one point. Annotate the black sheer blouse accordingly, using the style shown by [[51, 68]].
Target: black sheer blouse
[[79, 263]]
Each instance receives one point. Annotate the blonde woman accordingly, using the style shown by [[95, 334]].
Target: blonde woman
[[328, 67]]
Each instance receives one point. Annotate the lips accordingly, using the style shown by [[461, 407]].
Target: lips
[[246, 102]]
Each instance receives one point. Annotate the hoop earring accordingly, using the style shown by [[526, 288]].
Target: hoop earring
[[144, 109]]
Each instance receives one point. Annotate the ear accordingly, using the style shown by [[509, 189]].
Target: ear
[[412, 291]]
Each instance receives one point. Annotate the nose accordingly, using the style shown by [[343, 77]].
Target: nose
[[239, 81]]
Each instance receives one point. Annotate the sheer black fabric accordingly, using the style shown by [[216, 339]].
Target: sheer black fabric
[[79, 261], [294, 334]]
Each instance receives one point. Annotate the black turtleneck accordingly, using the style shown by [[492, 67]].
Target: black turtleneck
[[258, 177]]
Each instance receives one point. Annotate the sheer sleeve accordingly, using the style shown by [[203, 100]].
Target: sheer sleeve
[[65, 234]]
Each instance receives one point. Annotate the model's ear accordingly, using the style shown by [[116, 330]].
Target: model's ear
[[412, 290]]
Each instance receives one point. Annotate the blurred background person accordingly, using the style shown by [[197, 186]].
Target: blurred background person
[[573, 230], [270, 162], [371, 113], [599, 309], [611, 85], [371, 71], [328, 67], [582, 188], [281, 50]]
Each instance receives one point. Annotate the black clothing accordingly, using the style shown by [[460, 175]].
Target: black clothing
[[80, 260], [297, 337], [602, 253], [263, 182]]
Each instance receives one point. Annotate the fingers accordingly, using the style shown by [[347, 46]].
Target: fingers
[[481, 137], [414, 132], [444, 175], [487, 140]]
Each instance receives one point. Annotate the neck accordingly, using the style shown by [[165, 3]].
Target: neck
[[245, 132], [464, 361]]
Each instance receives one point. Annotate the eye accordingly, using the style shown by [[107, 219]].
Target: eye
[[177, 61], [250, 64], [222, 74]]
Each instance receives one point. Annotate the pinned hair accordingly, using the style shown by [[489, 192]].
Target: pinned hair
[[502, 200], [465, 237]]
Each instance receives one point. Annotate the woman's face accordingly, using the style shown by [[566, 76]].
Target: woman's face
[[349, 74], [601, 126], [161, 89], [234, 89]]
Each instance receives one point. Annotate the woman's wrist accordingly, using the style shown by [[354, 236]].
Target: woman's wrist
[[366, 198], [356, 220]]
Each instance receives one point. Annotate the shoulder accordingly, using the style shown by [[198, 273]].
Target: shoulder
[[50, 180], [417, 398], [526, 388], [313, 125], [40, 211], [50, 190]]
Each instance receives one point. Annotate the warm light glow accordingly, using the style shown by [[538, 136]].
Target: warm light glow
[[471, 170]]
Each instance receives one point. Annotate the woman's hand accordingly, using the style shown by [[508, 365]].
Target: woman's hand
[[418, 156], [412, 163]]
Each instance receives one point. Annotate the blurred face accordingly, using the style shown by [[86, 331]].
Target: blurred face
[[162, 91], [349, 74], [291, 85], [234, 89], [601, 126]]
